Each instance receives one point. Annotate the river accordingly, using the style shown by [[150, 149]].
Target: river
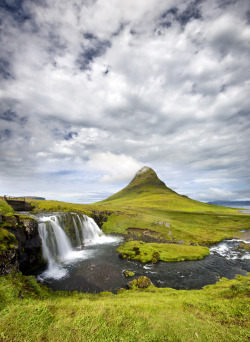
[[90, 263]]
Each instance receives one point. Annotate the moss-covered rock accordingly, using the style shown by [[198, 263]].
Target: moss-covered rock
[[244, 245], [100, 216], [142, 282], [121, 290], [128, 274], [8, 260], [132, 284]]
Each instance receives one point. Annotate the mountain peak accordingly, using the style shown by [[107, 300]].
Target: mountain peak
[[145, 181], [145, 175], [144, 169]]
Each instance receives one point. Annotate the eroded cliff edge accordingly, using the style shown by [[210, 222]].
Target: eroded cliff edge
[[20, 244]]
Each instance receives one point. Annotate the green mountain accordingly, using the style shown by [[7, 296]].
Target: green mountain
[[145, 180], [148, 191]]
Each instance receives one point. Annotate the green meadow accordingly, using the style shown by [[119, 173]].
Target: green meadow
[[30, 312]]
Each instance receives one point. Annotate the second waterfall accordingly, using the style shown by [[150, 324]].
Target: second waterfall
[[64, 237]]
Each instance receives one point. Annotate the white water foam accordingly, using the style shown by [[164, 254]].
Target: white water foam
[[229, 250], [57, 247]]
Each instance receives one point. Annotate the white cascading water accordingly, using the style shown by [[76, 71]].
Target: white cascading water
[[77, 232], [57, 247], [91, 233]]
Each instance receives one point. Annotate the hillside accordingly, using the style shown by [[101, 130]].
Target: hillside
[[148, 191], [147, 209]]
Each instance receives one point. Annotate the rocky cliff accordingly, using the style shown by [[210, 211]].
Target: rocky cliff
[[20, 244]]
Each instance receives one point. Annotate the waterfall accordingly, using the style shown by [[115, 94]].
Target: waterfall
[[55, 239], [59, 233], [55, 246], [91, 233], [77, 232]]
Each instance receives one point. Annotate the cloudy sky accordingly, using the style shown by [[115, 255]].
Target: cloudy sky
[[92, 90]]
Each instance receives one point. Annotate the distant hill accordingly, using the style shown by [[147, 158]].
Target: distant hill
[[231, 203], [146, 190], [33, 197]]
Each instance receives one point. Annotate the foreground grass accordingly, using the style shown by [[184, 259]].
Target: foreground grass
[[154, 252], [5, 208], [30, 312]]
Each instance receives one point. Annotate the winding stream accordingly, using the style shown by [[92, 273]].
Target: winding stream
[[90, 263]]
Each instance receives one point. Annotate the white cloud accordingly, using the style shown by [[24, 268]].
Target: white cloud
[[116, 168], [217, 194], [81, 78]]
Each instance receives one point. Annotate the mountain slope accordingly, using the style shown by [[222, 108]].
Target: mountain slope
[[148, 191]]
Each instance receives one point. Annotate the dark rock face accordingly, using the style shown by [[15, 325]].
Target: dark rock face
[[100, 217], [19, 205], [28, 254], [31, 257], [8, 261]]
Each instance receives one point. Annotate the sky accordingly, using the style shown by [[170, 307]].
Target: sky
[[92, 90]]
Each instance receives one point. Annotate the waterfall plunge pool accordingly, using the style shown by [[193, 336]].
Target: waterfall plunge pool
[[82, 258]]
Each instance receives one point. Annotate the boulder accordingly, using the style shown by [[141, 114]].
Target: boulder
[[142, 282], [128, 274]]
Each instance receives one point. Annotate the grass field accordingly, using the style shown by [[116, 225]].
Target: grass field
[[30, 312]]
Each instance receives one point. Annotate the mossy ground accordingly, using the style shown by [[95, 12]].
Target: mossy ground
[[30, 312], [154, 252], [7, 240], [5, 208], [185, 226]]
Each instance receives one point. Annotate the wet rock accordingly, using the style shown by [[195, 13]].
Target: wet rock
[[142, 282], [132, 284], [122, 256], [100, 216], [8, 260], [28, 254], [128, 274], [243, 246]]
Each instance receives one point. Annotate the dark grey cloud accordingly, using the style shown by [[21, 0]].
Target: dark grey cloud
[[16, 9], [5, 71], [96, 48], [191, 12]]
